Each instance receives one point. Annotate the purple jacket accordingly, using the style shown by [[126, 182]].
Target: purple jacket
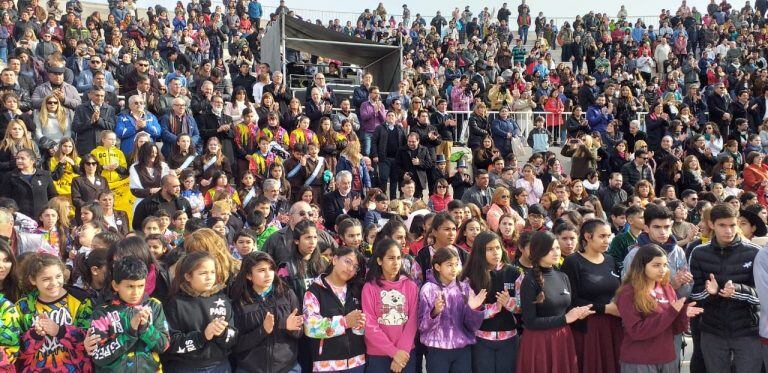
[[370, 118], [454, 327]]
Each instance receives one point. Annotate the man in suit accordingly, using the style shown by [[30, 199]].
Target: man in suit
[[341, 201], [417, 161], [92, 117], [718, 107], [387, 139]]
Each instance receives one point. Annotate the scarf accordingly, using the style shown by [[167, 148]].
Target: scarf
[[149, 287], [179, 126]]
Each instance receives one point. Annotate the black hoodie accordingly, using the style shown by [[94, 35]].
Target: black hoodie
[[188, 315], [259, 352]]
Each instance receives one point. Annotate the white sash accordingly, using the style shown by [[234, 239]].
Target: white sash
[[318, 167], [210, 163], [249, 197], [188, 162]]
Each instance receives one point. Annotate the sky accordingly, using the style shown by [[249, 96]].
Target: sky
[[551, 8]]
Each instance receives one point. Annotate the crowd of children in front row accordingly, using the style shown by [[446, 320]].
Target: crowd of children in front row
[[133, 307]]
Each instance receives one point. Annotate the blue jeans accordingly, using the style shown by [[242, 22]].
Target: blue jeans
[[449, 361], [365, 139], [495, 356], [382, 364], [523, 33], [4, 54]]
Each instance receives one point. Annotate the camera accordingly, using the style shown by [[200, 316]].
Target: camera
[[274, 147]]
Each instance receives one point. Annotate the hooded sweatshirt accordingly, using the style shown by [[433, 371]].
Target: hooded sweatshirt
[[65, 351], [391, 311], [126, 349], [675, 256], [455, 326], [189, 313]]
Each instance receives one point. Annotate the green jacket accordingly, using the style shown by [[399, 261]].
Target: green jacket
[[123, 349], [620, 247]]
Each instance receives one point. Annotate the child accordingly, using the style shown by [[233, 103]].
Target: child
[[547, 344], [623, 241], [52, 319], [200, 318], [351, 234], [131, 329], [274, 132], [85, 235], [651, 322], [220, 186], [191, 192], [151, 225], [178, 227], [267, 318], [248, 190], [259, 161], [374, 217], [93, 267], [261, 230], [115, 170], [157, 245], [488, 268], [331, 143], [9, 315], [165, 225], [441, 233], [447, 304], [333, 319], [468, 232], [369, 236], [753, 145], [303, 134], [732, 187], [245, 133], [245, 243], [390, 300], [538, 139]]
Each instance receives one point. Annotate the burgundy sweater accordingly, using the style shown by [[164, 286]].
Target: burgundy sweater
[[649, 339]]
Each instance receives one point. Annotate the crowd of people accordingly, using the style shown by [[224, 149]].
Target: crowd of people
[[169, 203]]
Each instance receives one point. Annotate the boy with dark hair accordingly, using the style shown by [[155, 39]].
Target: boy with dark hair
[[623, 241], [130, 330], [724, 286], [245, 243], [257, 222], [618, 215]]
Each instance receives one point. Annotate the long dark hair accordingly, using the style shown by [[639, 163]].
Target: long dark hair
[[541, 245], [588, 227], [476, 269], [145, 153], [240, 288], [186, 265], [315, 264], [389, 228], [10, 285], [355, 283], [379, 252]]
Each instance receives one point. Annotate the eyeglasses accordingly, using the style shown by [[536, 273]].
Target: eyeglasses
[[304, 213], [505, 197], [90, 163], [349, 262], [143, 64], [52, 103]]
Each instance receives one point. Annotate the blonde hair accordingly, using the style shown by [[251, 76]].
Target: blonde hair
[[8, 142], [61, 113], [352, 151], [205, 239]]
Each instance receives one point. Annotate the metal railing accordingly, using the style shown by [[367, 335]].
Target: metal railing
[[524, 119]]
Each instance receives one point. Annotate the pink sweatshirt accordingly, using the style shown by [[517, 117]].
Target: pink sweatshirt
[[391, 317]]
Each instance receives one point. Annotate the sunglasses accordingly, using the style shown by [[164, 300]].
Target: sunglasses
[[90, 163], [52, 102], [143, 64]]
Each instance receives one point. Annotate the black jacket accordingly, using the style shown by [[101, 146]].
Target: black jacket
[[501, 280], [149, 206], [188, 316], [632, 175], [257, 351], [83, 191], [85, 131], [380, 138], [738, 315], [479, 127], [31, 195]]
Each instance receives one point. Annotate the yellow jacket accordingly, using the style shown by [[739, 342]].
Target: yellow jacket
[[64, 183], [111, 156]]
